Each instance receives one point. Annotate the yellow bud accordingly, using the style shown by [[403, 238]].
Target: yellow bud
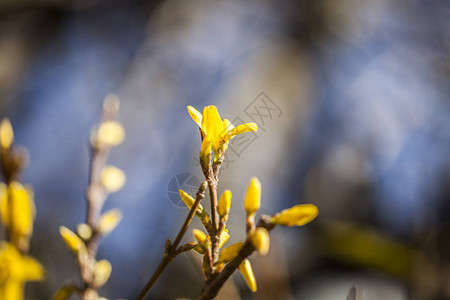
[[84, 231], [246, 271], [230, 252], [199, 236], [260, 240], [102, 271], [73, 242], [17, 210], [189, 201], [297, 215], [6, 134], [109, 220], [113, 179], [224, 204], [109, 133], [252, 200], [224, 236]]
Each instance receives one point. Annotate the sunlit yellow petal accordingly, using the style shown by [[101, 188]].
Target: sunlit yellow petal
[[195, 115], [247, 272], [12, 289], [252, 200], [205, 150], [230, 252], [31, 269], [260, 240], [109, 220], [297, 215], [113, 179], [6, 134], [241, 129], [212, 124], [224, 237]]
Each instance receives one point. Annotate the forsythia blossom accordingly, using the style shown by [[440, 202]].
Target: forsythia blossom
[[15, 270], [215, 131]]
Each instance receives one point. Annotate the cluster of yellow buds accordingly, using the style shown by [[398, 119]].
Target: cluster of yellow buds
[[17, 213], [103, 180]]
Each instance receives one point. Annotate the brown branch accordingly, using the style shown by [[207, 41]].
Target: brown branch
[[211, 289], [172, 249]]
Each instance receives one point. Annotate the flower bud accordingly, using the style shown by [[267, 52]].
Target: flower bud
[[297, 215], [6, 134], [230, 252], [246, 270], [260, 240], [252, 200], [113, 179], [224, 205]]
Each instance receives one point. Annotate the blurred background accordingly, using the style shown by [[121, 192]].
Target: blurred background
[[351, 98]]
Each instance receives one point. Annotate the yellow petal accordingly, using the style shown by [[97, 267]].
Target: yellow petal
[[113, 179], [297, 215], [195, 115], [6, 134], [224, 237], [212, 124], [109, 220], [247, 272], [252, 200], [228, 124], [73, 242], [109, 133], [260, 240], [241, 129], [224, 204], [12, 289], [230, 252], [102, 271], [199, 235], [32, 270], [205, 150]]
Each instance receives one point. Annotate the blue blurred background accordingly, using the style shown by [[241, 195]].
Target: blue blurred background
[[353, 113]]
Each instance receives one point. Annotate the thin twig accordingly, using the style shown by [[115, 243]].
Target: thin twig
[[172, 249]]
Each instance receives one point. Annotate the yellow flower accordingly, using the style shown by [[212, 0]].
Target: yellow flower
[[252, 199], [297, 215], [224, 205], [247, 272], [15, 270], [6, 134], [218, 131], [260, 240], [17, 210]]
